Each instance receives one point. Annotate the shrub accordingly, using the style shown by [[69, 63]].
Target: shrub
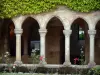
[[94, 71]]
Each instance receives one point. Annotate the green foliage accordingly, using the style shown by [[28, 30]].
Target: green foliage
[[11, 8], [21, 74], [35, 57], [5, 58], [94, 71]]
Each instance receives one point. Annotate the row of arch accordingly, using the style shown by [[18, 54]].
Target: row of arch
[[55, 29], [64, 21]]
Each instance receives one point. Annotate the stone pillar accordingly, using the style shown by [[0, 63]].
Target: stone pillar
[[67, 34], [18, 33], [91, 59], [25, 40], [42, 44], [25, 50], [25, 46]]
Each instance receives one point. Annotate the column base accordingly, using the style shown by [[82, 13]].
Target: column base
[[25, 59], [91, 64], [42, 63], [67, 63], [18, 62]]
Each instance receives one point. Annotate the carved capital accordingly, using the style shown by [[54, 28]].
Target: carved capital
[[91, 32], [67, 33], [18, 31], [42, 32]]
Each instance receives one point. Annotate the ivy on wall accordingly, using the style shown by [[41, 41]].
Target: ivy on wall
[[11, 8]]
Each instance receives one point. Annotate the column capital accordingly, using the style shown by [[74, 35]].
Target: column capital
[[91, 32], [18, 31], [42, 32], [67, 32]]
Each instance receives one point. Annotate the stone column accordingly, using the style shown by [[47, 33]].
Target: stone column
[[91, 59], [18, 33], [25, 46], [25, 50], [67, 34], [42, 44]]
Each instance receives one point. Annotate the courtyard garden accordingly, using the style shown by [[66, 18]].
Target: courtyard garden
[[49, 37], [29, 70], [43, 69]]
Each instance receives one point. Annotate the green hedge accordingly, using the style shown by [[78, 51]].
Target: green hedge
[[94, 71], [11, 8], [32, 74], [20, 74]]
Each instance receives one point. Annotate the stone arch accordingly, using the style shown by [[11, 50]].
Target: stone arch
[[30, 37], [96, 22], [55, 42], [92, 21], [97, 43], [79, 17], [18, 21], [79, 25], [52, 16], [26, 17]]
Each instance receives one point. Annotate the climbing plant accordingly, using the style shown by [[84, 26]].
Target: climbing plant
[[11, 8]]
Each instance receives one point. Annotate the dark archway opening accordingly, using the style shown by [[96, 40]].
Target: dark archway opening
[[12, 39], [9, 36], [7, 39], [79, 42], [55, 42], [97, 44], [30, 39]]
